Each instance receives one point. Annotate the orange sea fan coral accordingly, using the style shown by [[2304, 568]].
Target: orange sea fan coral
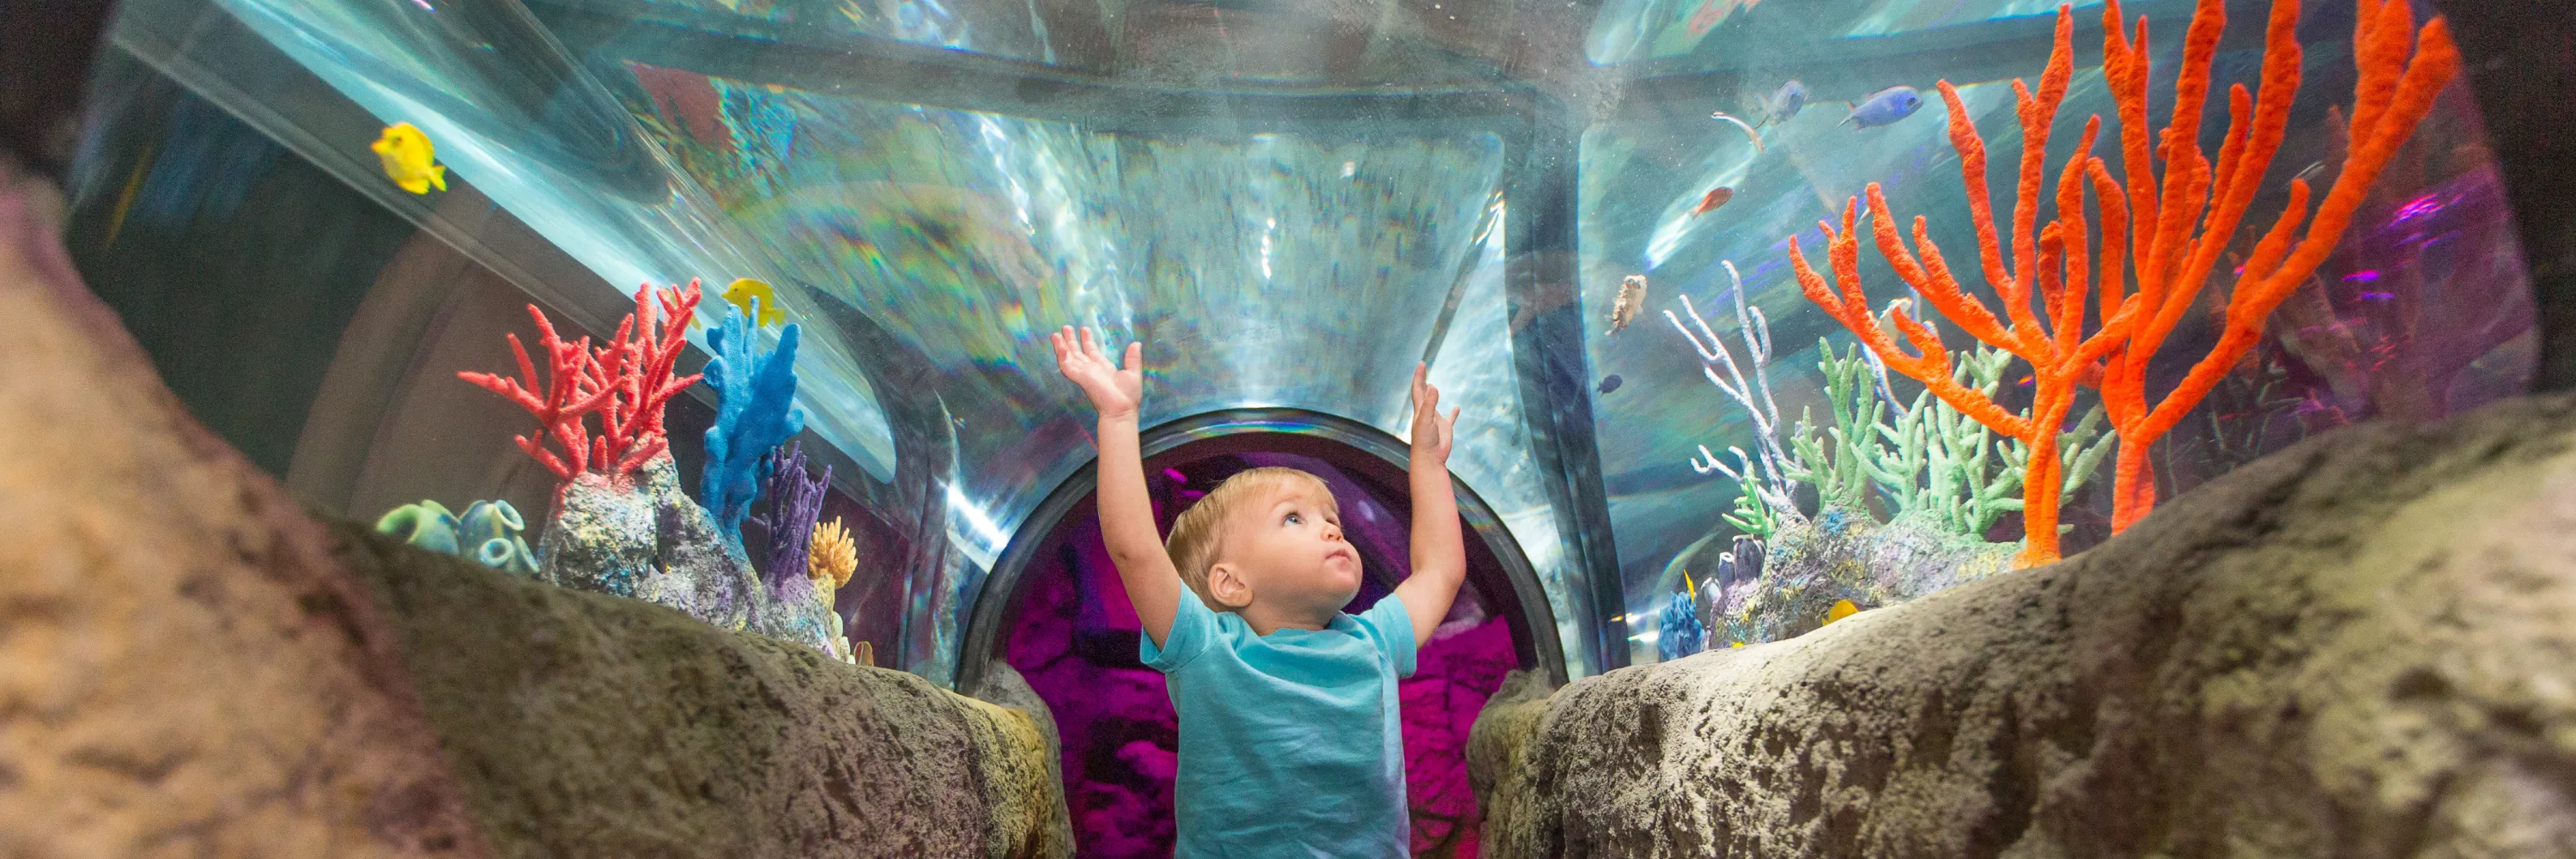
[[2170, 249]]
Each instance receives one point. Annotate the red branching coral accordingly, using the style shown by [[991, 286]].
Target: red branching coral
[[2167, 259], [635, 367], [627, 381], [567, 397]]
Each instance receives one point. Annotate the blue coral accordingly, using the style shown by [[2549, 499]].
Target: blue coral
[[1681, 634], [755, 412]]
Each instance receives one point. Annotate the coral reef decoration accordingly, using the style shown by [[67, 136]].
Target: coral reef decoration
[[488, 532], [1679, 632], [427, 524], [755, 413], [628, 381], [2170, 266], [833, 556], [2392, 95], [567, 396], [635, 368], [795, 501]]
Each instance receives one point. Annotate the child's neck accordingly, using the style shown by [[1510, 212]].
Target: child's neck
[[1265, 620]]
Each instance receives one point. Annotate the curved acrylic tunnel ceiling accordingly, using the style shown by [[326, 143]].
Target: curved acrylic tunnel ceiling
[[1282, 249]]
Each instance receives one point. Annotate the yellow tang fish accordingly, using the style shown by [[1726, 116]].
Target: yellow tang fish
[[1841, 609], [742, 292], [408, 156]]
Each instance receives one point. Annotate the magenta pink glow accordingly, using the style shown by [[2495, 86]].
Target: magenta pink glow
[[1075, 642]]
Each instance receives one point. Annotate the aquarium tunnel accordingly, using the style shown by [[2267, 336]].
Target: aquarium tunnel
[[1636, 242]]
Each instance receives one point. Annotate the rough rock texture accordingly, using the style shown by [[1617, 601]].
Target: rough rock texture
[[592, 725], [190, 667], [2362, 646], [183, 669], [641, 536]]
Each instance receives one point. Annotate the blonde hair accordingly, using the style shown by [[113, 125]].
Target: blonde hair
[[1198, 534]]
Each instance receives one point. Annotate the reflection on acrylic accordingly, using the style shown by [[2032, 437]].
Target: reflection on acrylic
[[963, 233]]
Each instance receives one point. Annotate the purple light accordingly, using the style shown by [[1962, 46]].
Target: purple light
[[2416, 208], [2362, 276], [2378, 296], [1176, 475]]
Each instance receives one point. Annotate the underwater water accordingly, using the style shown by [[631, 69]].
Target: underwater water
[[1578, 214]]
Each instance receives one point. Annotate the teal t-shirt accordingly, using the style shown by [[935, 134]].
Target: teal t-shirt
[[1292, 744]]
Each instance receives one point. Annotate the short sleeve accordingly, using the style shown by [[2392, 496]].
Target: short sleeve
[[1193, 626], [1394, 627]]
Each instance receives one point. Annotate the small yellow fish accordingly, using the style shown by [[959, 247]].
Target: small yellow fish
[[1735, 645], [741, 293], [1841, 609], [1632, 297], [409, 159]]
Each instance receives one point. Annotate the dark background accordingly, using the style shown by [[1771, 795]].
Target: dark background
[[45, 48]]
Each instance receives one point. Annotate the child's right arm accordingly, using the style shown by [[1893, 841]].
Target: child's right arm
[[1126, 513]]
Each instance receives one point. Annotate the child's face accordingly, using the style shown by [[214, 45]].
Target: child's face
[[1288, 548]]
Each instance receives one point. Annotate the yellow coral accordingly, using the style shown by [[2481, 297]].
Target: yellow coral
[[834, 555]]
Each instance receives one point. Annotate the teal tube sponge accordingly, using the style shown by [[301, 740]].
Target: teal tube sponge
[[426, 524], [489, 532]]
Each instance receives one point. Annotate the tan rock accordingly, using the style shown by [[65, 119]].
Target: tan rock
[[189, 666], [2363, 646], [183, 669], [589, 725]]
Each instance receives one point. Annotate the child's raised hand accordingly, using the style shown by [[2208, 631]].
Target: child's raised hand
[[1432, 430], [1114, 390]]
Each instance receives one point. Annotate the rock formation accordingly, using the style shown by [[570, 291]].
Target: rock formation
[[2362, 646], [593, 725], [190, 666], [184, 669]]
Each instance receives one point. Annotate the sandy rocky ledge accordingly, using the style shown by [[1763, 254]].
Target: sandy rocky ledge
[[191, 666], [2363, 646]]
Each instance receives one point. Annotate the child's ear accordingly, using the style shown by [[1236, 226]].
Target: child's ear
[[1227, 586]]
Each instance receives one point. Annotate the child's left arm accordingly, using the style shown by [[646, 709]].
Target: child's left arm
[[1439, 550]]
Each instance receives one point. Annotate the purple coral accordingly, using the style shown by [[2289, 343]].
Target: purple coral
[[794, 502]]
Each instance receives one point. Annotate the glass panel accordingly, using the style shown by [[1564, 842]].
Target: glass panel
[[2421, 310], [970, 234], [1292, 203]]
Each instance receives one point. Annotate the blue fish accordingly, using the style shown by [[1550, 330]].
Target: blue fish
[[1612, 383], [1784, 103], [1885, 107]]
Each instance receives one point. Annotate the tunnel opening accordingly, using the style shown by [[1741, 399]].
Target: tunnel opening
[[1056, 613]]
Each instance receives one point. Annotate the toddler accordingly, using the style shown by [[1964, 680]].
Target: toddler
[[1291, 740]]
